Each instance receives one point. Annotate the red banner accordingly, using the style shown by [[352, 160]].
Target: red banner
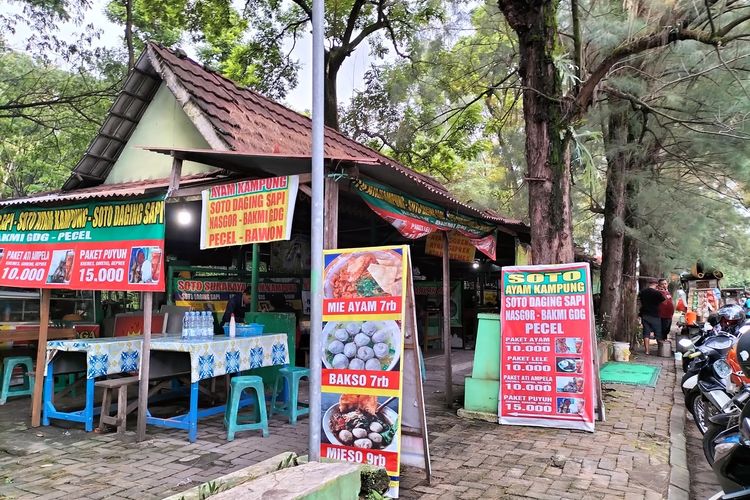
[[362, 306], [112, 265], [387, 460], [547, 369], [360, 379], [116, 245]]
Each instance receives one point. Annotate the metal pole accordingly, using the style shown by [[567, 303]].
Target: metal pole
[[254, 279], [447, 338], [148, 303], [316, 285]]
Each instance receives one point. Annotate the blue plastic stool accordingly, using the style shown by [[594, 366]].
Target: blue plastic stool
[[290, 375], [28, 383], [231, 420]]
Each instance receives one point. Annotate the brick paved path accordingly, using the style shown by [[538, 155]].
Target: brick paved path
[[626, 458]]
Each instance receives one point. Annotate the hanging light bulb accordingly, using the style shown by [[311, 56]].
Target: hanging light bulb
[[475, 265], [184, 217]]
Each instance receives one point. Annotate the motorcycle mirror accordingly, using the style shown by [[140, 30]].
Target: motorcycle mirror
[[684, 345]]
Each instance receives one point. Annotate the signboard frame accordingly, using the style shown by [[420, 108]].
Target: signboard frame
[[548, 376]]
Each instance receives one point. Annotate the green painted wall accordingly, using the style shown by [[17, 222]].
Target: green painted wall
[[163, 124]]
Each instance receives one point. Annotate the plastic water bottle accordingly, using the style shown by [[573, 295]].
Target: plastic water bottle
[[208, 323], [194, 332], [232, 327], [185, 327]]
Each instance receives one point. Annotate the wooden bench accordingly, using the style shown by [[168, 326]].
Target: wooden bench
[[110, 384]]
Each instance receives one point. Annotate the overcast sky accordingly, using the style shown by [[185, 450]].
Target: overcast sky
[[350, 76]]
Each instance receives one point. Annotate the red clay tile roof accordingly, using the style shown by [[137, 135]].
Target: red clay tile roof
[[242, 120], [248, 121]]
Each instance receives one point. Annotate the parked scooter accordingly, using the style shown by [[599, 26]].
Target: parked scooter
[[730, 450], [701, 360]]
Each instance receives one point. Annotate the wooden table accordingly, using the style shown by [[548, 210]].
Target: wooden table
[[31, 335]]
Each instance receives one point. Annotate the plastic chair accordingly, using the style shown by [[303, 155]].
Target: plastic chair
[[9, 364], [232, 421], [290, 375]]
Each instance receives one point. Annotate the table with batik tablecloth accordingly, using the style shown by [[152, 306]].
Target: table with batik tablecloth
[[95, 357], [206, 359]]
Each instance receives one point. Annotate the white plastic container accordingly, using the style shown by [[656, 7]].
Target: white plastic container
[[232, 327], [622, 351]]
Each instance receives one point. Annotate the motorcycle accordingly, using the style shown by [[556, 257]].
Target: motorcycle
[[701, 362], [729, 454], [728, 418]]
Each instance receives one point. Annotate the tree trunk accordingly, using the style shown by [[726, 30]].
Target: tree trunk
[[547, 138], [129, 33], [613, 232], [629, 269], [331, 103]]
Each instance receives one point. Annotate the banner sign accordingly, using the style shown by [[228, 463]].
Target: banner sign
[[415, 218], [364, 292], [211, 294], [252, 211], [459, 246], [547, 350], [92, 246]]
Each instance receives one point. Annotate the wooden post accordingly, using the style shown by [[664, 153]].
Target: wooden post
[[174, 177], [253, 281], [148, 301], [447, 323], [41, 359], [331, 214]]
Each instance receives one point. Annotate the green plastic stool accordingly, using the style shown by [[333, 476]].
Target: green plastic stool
[[291, 375], [232, 421], [28, 383]]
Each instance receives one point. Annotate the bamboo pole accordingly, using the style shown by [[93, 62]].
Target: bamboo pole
[[41, 359], [148, 301]]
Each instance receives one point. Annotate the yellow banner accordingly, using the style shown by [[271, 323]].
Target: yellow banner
[[459, 246], [252, 211]]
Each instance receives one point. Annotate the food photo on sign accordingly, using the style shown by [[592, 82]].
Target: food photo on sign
[[568, 345], [61, 266], [145, 265], [361, 422], [362, 345], [363, 274]]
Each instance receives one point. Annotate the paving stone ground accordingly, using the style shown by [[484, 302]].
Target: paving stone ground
[[627, 457]]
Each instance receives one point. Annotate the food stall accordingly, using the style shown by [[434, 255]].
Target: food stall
[[229, 159]]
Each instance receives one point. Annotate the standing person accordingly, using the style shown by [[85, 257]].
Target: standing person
[[237, 305], [666, 309], [650, 299]]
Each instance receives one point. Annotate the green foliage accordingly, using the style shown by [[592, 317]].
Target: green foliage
[[47, 118], [451, 111]]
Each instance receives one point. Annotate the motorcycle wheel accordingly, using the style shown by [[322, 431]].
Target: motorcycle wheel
[[708, 441], [690, 397], [700, 413]]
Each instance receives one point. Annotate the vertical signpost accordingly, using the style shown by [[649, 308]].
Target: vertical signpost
[[548, 370], [365, 293]]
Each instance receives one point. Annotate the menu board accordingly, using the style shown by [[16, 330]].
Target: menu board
[[547, 349], [460, 247], [92, 246], [251, 211], [212, 294], [364, 292]]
